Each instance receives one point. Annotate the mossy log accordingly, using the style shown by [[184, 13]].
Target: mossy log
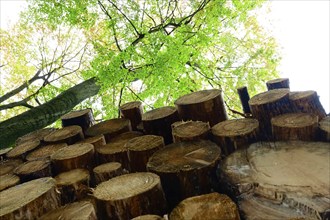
[[158, 122], [73, 185], [186, 169], [190, 131], [72, 157], [110, 128], [33, 170], [130, 195], [307, 102], [267, 105], [29, 200], [280, 83], [68, 135], [204, 105], [279, 180], [235, 134], [8, 180], [295, 126], [107, 171], [140, 149], [132, 111], [206, 207], [21, 150], [82, 210], [45, 152], [324, 129], [83, 118]]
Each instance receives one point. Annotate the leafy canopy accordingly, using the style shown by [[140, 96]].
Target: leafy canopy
[[156, 51]]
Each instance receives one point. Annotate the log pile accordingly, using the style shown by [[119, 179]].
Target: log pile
[[182, 162]]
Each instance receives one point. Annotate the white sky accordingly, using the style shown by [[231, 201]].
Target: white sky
[[301, 27]]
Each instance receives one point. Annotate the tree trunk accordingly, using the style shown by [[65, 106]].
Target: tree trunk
[[8, 166], [324, 127], [68, 135], [280, 83], [206, 207], [8, 180], [33, 170], [132, 111], [244, 97], [3, 153], [190, 131], [45, 114], [131, 195], [279, 180], [29, 200], [83, 118], [23, 149], [107, 171], [44, 152], [205, 105], [34, 135]]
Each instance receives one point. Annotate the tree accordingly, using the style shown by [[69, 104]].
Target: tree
[[156, 51]]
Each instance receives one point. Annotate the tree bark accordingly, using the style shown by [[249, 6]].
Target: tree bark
[[244, 97], [45, 114]]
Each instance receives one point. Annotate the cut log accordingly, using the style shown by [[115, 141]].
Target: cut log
[[307, 102], [107, 171], [140, 150], [3, 153], [33, 170], [97, 141], [29, 200], [35, 135], [132, 111], [279, 180], [73, 185], [83, 118], [8, 180], [8, 166], [205, 105], [110, 128], [280, 83], [82, 210], [267, 105], [148, 217], [235, 134], [185, 168], [45, 152], [244, 97], [68, 135], [206, 207], [295, 126], [130, 195], [324, 127], [20, 151], [72, 157], [115, 150], [158, 122], [190, 131]]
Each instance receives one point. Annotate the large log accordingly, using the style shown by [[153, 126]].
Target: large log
[[33, 170], [129, 196], [8, 180], [190, 131], [107, 171], [140, 150], [307, 102], [186, 169], [82, 210], [29, 200], [295, 126], [45, 152], [158, 122], [279, 180], [72, 157], [20, 151], [324, 127], [235, 134], [68, 135], [205, 105], [280, 83], [269, 104], [83, 118], [110, 128], [132, 111], [73, 185], [206, 207], [8, 166]]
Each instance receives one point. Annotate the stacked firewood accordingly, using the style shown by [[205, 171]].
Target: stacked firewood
[[187, 161]]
